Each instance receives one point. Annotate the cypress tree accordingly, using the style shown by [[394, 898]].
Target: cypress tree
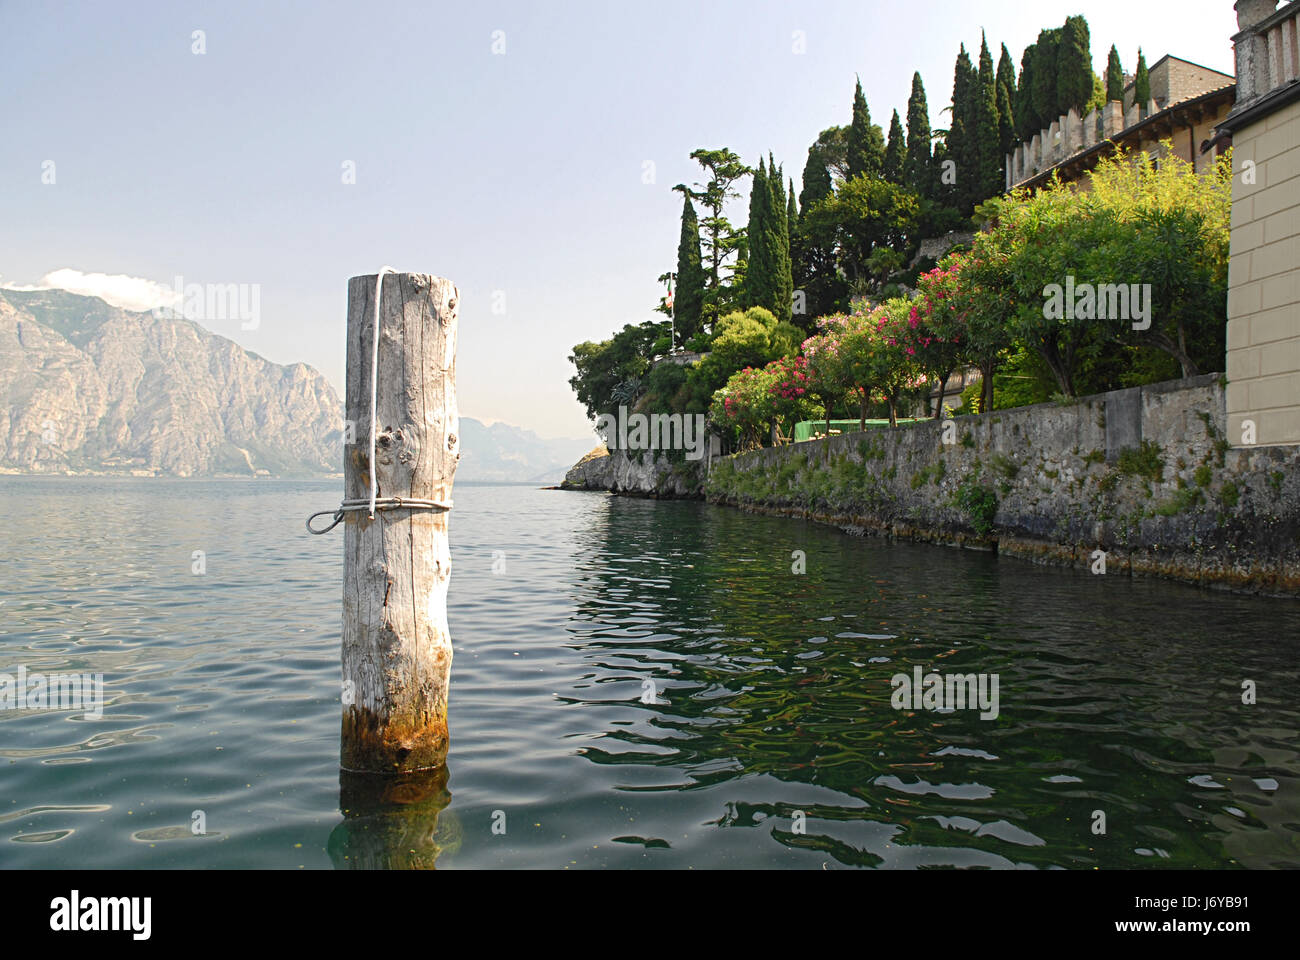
[[816, 179], [1006, 119], [1046, 98], [688, 303], [1027, 120], [1142, 82], [758, 269], [944, 193], [919, 173], [1114, 76], [778, 224], [812, 259], [991, 158], [866, 147], [963, 137], [1007, 70], [895, 152], [1074, 65], [791, 232]]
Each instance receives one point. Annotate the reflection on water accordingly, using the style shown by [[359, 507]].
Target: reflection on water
[[644, 685], [393, 823]]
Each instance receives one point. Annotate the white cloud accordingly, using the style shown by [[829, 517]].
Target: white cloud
[[129, 293]]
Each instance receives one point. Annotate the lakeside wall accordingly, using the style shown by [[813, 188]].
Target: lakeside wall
[[1145, 474]]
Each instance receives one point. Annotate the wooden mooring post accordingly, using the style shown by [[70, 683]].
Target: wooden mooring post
[[396, 647]]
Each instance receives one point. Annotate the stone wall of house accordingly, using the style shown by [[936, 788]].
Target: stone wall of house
[[1146, 476]]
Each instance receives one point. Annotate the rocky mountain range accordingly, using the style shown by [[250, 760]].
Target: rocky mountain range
[[502, 453], [86, 387]]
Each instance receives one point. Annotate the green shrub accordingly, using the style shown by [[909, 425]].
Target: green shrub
[[979, 503], [1230, 495], [1005, 467], [1180, 501], [1142, 461]]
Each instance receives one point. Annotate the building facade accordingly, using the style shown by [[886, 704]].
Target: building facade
[[1187, 102], [1263, 395]]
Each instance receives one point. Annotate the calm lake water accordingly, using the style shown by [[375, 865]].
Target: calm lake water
[[772, 743]]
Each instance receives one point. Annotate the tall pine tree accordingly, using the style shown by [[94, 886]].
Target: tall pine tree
[[1142, 82], [1074, 76], [1028, 123], [719, 240], [778, 225], [1114, 76], [1006, 119], [688, 301], [1007, 69], [895, 152], [759, 268], [1045, 90], [813, 264], [816, 179], [920, 177], [866, 148], [962, 145], [992, 167]]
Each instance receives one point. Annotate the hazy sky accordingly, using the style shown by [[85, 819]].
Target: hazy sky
[[521, 172]]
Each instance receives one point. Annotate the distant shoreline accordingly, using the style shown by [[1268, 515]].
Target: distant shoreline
[[148, 475], [304, 478]]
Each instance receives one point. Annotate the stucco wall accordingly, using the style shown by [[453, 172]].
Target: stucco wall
[[1264, 281]]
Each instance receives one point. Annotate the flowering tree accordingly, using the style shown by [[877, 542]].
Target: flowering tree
[[825, 367], [937, 326], [966, 302], [792, 400], [894, 360], [747, 405], [853, 335]]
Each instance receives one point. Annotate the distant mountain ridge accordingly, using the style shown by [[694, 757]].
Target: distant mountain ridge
[[505, 453], [86, 387]]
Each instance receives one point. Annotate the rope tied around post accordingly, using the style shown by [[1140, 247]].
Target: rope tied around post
[[383, 503], [374, 502]]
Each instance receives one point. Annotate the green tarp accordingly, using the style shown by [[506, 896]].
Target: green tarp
[[805, 429]]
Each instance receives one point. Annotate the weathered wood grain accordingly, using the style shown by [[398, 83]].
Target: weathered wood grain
[[396, 647]]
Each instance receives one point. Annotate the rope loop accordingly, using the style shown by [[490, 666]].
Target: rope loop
[[338, 518], [381, 503]]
